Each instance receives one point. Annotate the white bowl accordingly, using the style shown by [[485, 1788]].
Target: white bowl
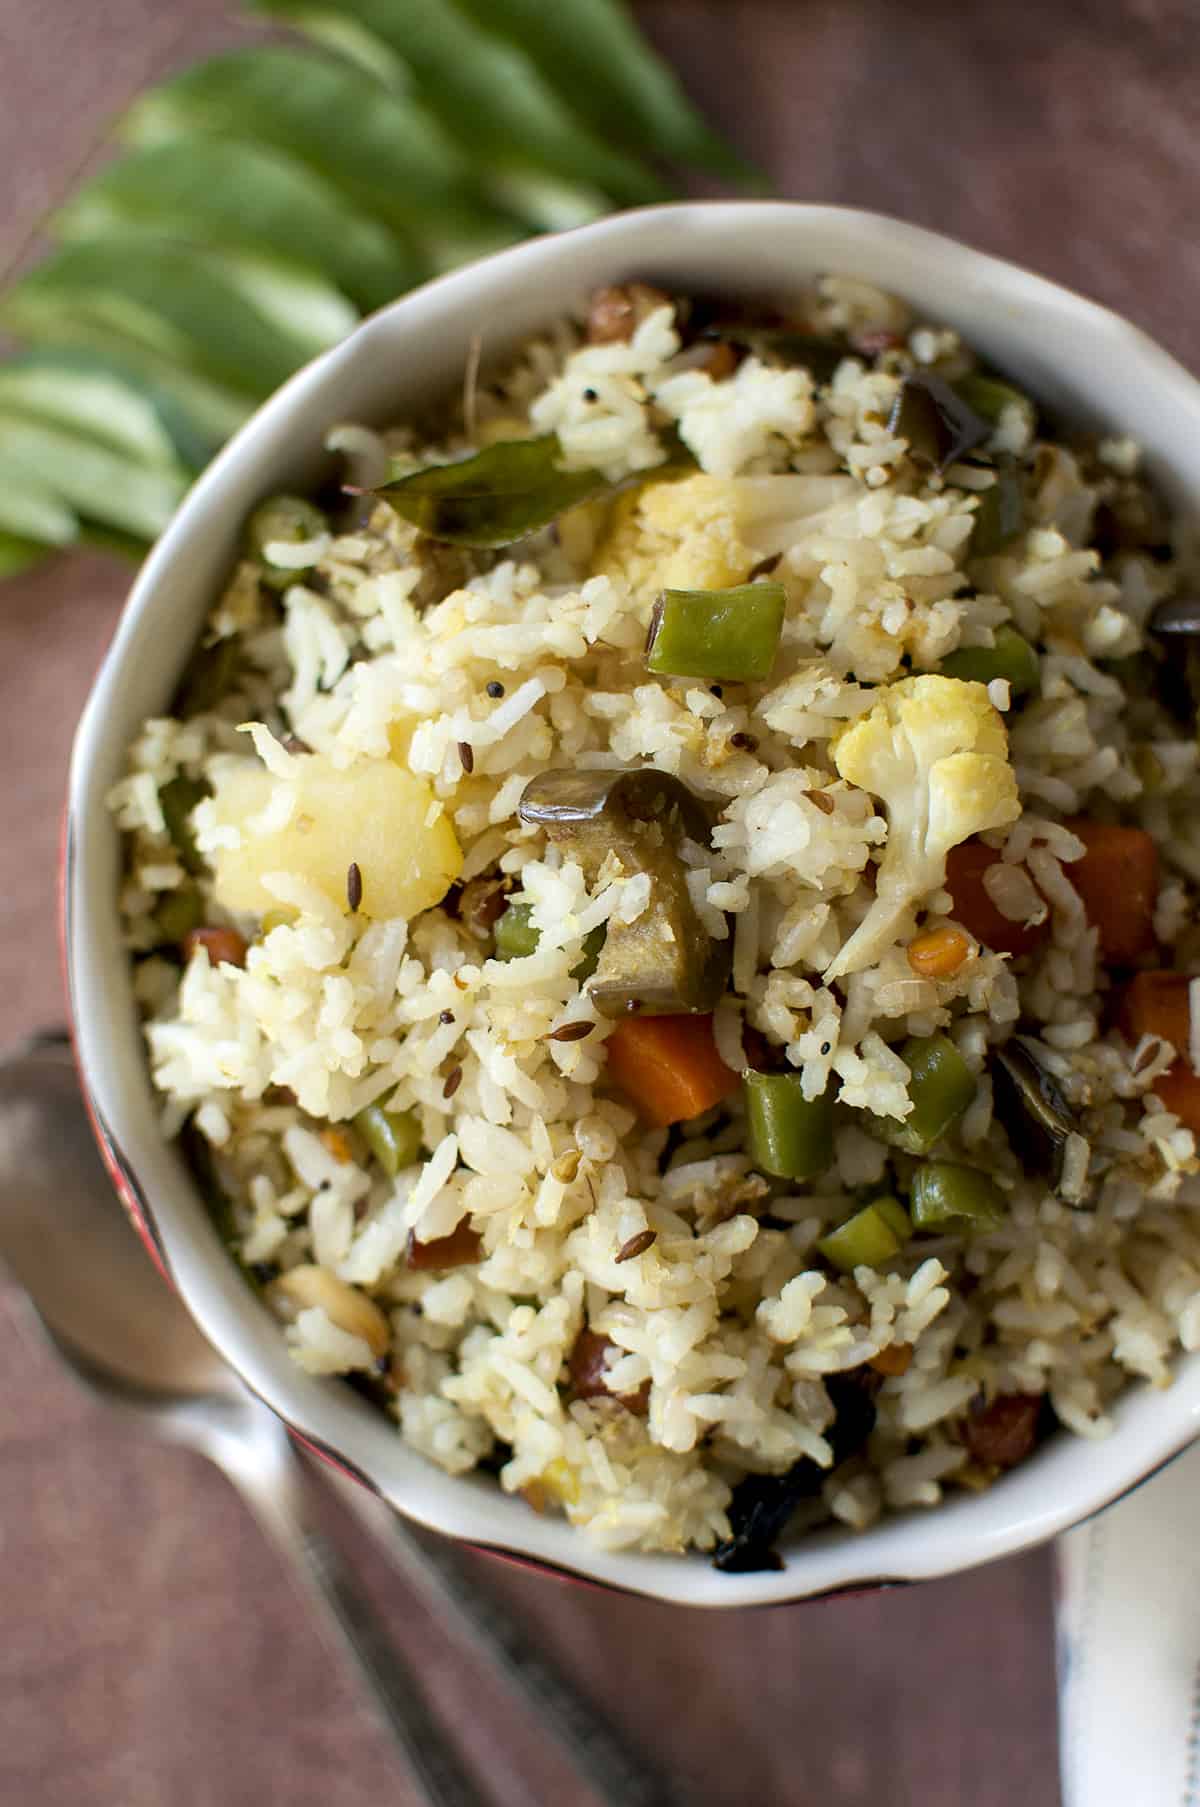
[[1075, 356]]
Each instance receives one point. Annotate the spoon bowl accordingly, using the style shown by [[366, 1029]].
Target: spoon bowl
[[77, 1257]]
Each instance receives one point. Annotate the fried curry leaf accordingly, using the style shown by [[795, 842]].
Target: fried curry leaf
[[495, 497]]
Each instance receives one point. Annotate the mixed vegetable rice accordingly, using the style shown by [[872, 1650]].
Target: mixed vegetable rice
[[664, 909]]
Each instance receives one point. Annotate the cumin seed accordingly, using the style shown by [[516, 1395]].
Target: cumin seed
[[637, 1245], [354, 885], [453, 1081], [570, 1032], [466, 757]]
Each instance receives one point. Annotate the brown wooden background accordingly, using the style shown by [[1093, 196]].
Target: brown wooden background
[[150, 1651]]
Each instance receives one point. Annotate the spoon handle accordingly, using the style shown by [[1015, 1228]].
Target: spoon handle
[[617, 1773], [273, 1482]]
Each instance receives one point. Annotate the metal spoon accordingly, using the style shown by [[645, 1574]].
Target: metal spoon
[[126, 1335]]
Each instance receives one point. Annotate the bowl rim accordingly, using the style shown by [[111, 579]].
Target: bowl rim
[[330, 1420]]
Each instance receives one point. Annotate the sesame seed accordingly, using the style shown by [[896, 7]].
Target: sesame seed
[[453, 1081], [466, 756], [590, 395], [745, 742], [637, 1245], [447, 1016], [826, 1047], [495, 688], [354, 885]]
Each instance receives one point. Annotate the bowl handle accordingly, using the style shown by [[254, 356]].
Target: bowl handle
[[1128, 1617]]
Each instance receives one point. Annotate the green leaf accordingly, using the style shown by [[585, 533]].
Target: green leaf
[[485, 93], [66, 330], [381, 150], [31, 509], [594, 57], [500, 495], [18, 553], [90, 396], [169, 298], [241, 196], [293, 296], [96, 482], [131, 547]]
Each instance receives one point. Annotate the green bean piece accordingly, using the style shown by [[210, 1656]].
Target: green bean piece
[[941, 1085], [787, 1134], [947, 1196], [990, 397], [1011, 657], [179, 913], [868, 1239], [207, 678], [177, 800], [394, 1137], [893, 1213], [1000, 516], [516, 939], [593, 946], [283, 519], [731, 635]]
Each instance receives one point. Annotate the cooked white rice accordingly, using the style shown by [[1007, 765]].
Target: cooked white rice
[[383, 645]]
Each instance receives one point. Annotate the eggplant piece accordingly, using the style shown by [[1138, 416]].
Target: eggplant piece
[[762, 1504], [664, 963], [1177, 618], [1037, 1119], [939, 425]]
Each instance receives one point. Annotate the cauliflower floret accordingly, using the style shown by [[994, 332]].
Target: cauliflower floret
[[682, 535], [708, 533], [935, 750]]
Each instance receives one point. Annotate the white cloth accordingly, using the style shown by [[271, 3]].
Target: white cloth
[[1129, 1647]]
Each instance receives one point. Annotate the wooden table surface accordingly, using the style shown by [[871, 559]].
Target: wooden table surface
[[152, 1651]]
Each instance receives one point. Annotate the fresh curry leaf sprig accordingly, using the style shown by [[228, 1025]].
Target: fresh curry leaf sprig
[[268, 197]]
